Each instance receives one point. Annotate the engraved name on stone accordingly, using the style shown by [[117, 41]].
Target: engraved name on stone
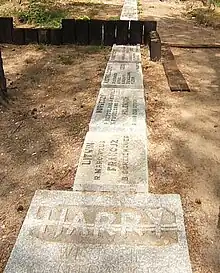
[[102, 225], [112, 161], [66, 232], [121, 108], [125, 54], [123, 75]]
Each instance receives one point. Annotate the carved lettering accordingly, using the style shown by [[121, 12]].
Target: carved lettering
[[103, 222]]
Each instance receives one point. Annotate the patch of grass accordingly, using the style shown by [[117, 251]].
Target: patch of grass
[[41, 13], [65, 59], [114, 18], [207, 17], [84, 17]]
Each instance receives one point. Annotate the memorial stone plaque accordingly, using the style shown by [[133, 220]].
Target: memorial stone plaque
[[121, 53], [129, 17], [123, 75], [70, 232], [119, 110], [112, 162]]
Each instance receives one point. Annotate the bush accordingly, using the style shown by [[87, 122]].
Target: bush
[[42, 14]]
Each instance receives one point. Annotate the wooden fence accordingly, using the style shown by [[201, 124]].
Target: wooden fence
[[81, 32]]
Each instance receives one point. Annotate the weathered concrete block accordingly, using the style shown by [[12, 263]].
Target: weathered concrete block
[[121, 53], [119, 110], [66, 232], [113, 162], [123, 75]]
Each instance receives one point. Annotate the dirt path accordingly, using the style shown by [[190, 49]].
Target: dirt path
[[184, 134], [173, 25]]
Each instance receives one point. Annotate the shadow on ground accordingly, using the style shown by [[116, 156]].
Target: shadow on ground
[[52, 95]]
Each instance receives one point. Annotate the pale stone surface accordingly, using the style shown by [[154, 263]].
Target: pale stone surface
[[113, 162], [129, 17], [123, 75], [119, 110], [121, 53], [70, 232]]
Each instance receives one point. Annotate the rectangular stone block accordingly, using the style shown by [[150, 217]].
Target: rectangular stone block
[[113, 162], [70, 232], [123, 75], [121, 53], [119, 110]]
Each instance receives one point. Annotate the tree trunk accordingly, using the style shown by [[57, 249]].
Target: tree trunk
[[3, 88]]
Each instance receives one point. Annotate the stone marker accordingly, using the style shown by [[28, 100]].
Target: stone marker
[[112, 162], [122, 53], [123, 75], [119, 110], [129, 17], [70, 232]]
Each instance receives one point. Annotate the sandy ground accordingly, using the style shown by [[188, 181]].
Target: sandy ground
[[52, 95], [184, 135], [173, 25]]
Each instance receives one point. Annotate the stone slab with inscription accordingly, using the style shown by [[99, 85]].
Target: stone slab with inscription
[[129, 17], [119, 110], [121, 53], [123, 75], [113, 162], [66, 232]]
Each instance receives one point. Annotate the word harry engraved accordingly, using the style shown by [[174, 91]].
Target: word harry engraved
[[101, 225]]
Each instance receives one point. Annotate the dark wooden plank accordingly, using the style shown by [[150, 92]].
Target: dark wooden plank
[[56, 36], [44, 36], [68, 31], [175, 78], [95, 32], [31, 36], [122, 32], [148, 27], [6, 28], [215, 45], [82, 32], [155, 46], [109, 33], [18, 36], [136, 32]]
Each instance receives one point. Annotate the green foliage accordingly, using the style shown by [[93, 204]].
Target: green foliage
[[205, 16], [84, 17], [42, 13], [114, 18]]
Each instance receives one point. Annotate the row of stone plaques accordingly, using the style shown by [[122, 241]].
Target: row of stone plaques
[[70, 232], [113, 162]]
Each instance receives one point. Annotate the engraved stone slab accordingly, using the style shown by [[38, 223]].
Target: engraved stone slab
[[112, 162], [127, 16], [122, 53], [119, 110], [123, 75], [70, 232]]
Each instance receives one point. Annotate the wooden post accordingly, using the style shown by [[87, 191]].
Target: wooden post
[[3, 88], [155, 46]]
